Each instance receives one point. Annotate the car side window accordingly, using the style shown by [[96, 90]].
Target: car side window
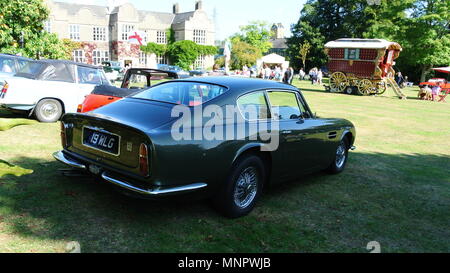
[[254, 106], [285, 105], [88, 75]]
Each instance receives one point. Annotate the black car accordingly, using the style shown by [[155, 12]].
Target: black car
[[221, 138]]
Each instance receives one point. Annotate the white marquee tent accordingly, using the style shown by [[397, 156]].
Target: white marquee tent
[[272, 60]]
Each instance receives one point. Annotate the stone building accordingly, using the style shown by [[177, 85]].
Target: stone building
[[278, 40], [104, 31]]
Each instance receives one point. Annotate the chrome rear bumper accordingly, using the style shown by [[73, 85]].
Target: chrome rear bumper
[[107, 177], [72, 163]]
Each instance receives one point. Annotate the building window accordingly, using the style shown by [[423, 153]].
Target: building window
[[161, 37], [98, 57], [162, 59], [126, 29], [200, 62], [74, 32], [78, 56], [48, 26], [200, 36], [143, 58], [145, 38], [99, 33]]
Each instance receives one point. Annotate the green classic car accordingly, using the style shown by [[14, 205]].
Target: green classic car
[[221, 138]]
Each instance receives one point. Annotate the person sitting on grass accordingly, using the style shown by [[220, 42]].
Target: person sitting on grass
[[435, 91], [424, 92]]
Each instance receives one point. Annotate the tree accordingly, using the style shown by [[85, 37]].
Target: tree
[[304, 51], [21, 30], [244, 53], [256, 34], [326, 20], [421, 26]]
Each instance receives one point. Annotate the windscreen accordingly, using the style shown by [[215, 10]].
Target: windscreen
[[185, 93]]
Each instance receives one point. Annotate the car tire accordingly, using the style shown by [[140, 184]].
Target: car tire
[[340, 159], [48, 111], [239, 195]]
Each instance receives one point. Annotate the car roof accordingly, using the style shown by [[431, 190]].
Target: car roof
[[241, 84], [69, 62], [15, 56]]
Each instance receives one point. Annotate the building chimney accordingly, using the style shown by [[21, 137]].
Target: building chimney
[[199, 5], [176, 8]]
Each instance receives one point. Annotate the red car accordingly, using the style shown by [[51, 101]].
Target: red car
[[135, 80]]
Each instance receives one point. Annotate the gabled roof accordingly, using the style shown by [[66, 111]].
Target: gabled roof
[[73, 9], [163, 17], [182, 17]]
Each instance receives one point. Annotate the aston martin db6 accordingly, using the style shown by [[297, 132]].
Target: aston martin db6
[[223, 139]]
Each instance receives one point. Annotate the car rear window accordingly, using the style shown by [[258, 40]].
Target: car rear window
[[7, 65], [184, 93]]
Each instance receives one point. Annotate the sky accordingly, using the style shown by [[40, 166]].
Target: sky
[[230, 13]]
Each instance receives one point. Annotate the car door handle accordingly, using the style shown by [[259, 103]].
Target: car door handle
[[332, 135]]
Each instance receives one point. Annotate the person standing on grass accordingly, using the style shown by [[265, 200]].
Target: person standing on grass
[[302, 74], [267, 73], [287, 76], [400, 79], [292, 74], [319, 77]]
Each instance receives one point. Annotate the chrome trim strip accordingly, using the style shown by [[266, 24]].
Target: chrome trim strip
[[63, 159], [128, 186]]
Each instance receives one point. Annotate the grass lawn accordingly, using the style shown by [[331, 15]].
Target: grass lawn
[[396, 190]]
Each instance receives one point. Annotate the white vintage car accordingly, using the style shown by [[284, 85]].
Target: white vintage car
[[49, 88]]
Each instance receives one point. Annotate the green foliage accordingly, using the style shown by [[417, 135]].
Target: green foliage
[[256, 34], [69, 47], [184, 53], [220, 62], [181, 53], [154, 48], [24, 19], [244, 53]]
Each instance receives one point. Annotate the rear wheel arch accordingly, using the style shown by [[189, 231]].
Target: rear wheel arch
[[266, 157]]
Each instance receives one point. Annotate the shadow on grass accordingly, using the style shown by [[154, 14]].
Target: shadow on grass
[[400, 200], [10, 120]]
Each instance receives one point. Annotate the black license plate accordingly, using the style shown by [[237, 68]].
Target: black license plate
[[100, 140]]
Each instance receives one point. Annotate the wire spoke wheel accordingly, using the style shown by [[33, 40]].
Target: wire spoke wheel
[[338, 82], [366, 87]]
